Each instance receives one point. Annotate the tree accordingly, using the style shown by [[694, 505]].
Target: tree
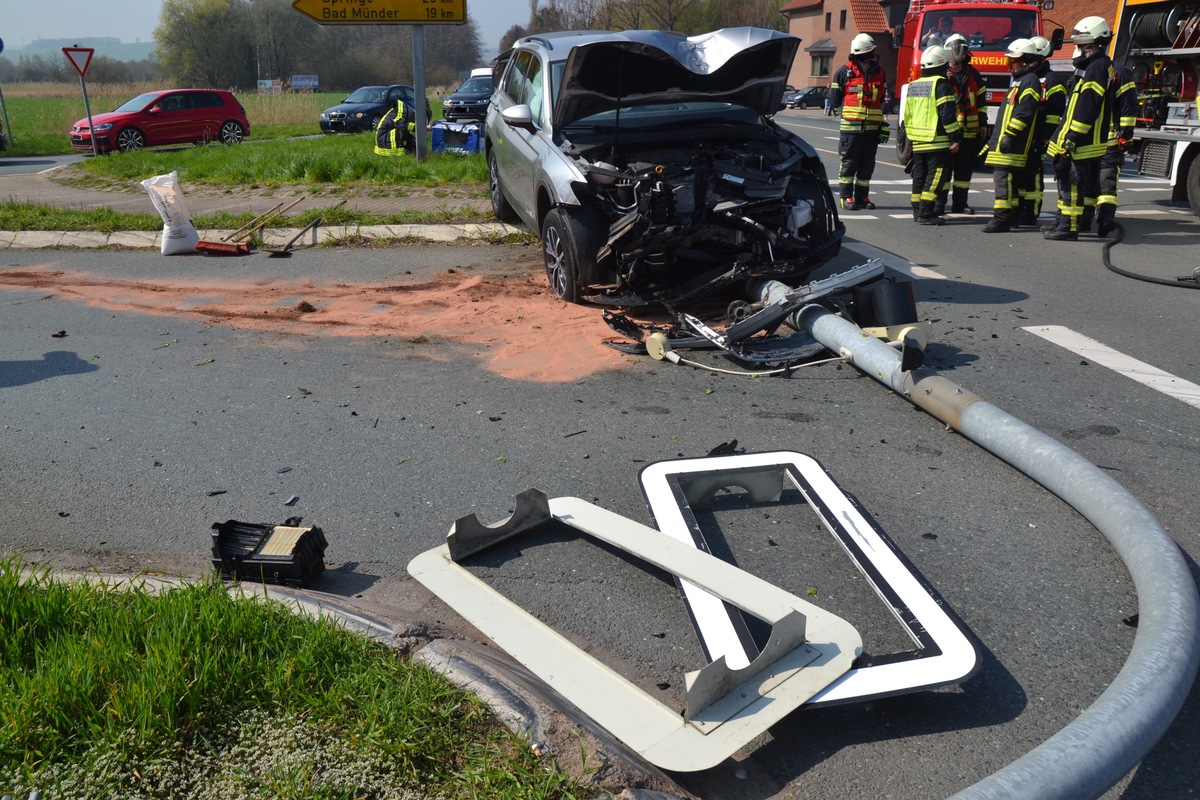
[[283, 38], [510, 36], [207, 43]]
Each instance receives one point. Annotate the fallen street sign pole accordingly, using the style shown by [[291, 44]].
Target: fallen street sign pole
[[81, 59], [416, 13]]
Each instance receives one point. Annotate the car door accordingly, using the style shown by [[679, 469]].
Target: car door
[[516, 148], [204, 116], [168, 120]]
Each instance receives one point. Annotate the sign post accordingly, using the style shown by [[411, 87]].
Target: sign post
[[81, 59], [4, 108], [416, 13]]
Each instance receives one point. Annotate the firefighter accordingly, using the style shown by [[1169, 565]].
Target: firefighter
[[1125, 113], [396, 131], [1012, 141], [1082, 135], [1054, 102], [931, 125], [971, 97], [857, 88]]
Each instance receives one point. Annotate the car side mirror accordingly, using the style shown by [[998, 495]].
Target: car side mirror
[[1056, 39], [518, 117], [155, 110], [897, 37]]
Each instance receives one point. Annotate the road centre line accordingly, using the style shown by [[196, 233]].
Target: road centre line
[[1130, 367]]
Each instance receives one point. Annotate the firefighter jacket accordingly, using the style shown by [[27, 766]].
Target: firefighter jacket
[[860, 96], [931, 115], [1125, 105], [971, 94], [1054, 102], [1016, 125], [395, 131], [1088, 116]]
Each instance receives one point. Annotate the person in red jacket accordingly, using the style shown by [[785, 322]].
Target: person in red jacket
[[971, 96], [858, 89]]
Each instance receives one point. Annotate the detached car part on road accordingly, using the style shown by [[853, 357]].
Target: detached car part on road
[[649, 165], [174, 116]]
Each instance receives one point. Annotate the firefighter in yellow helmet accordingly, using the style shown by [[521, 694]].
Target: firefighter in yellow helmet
[[931, 125], [971, 95], [395, 133]]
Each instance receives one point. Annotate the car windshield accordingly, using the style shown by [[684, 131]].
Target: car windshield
[[137, 103], [367, 94], [480, 83]]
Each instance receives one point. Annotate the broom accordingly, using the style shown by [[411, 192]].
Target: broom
[[237, 243]]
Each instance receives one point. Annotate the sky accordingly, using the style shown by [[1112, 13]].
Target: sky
[[135, 20]]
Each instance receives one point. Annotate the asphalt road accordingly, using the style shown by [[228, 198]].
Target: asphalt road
[[113, 446]]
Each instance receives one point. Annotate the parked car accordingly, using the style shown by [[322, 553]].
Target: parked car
[[650, 167], [808, 97], [174, 116], [469, 101], [365, 106]]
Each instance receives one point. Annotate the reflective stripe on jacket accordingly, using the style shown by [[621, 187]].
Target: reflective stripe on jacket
[[931, 115], [860, 97], [1089, 111], [971, 95], [393, 131], [1019, 118]]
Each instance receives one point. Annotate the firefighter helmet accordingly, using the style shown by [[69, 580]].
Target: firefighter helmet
[[1043, 45], [1091, 30], [934, 56], [957, 45], [861, 45], [1023, 49]]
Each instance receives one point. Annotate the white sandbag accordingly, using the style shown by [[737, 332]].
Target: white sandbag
[[179, 234]]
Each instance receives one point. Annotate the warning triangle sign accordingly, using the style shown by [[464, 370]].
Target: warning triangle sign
[[80, 58]]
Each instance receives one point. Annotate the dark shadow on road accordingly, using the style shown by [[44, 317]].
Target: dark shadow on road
[[946, 290], [52, 365]]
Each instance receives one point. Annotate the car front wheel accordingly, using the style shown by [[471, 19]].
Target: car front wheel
[[569, 251], [130, 139], [501, 208], [232, 132]]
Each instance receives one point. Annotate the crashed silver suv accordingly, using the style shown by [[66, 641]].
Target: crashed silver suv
[[648, 164]]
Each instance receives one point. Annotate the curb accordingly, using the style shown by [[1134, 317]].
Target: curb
[[275, 237]]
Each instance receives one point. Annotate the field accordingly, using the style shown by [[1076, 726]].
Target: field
[[41, 114]]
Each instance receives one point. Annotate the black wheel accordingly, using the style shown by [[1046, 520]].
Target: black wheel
[[569, 251], [802, 105], [375, 123], [1193, 185], [232, 132], [130, 139], [500, 205]]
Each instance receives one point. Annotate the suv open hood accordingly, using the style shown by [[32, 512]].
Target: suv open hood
[[744, 66]]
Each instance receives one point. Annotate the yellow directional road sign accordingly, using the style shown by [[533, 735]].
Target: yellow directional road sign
[[377, 12]]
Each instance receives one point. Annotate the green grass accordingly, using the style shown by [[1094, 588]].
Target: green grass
[[122, 693], [342, 159]]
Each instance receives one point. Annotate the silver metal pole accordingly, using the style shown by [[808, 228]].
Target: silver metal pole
[[7, 127], [1109, 738], [87, 108], [418, 46]]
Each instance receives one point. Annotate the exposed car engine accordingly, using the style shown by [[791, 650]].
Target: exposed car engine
[[687, 218]]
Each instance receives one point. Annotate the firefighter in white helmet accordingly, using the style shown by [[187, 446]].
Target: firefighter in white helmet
[[1011, 146], [931, 125], [858, 89], [971, 97], [1054, 102], [1082, 135]]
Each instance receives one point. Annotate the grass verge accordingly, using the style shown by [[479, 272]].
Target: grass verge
[[117, 692], [16, 216]]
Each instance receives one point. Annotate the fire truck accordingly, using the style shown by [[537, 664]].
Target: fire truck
[[1160, 42], [988, 25]]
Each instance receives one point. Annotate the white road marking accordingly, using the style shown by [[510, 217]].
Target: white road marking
[[1128, 366]]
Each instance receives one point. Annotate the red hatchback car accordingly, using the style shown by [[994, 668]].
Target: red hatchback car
[[175, 116]]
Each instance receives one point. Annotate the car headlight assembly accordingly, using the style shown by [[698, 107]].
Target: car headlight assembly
[[103, 126], [358, 115]]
